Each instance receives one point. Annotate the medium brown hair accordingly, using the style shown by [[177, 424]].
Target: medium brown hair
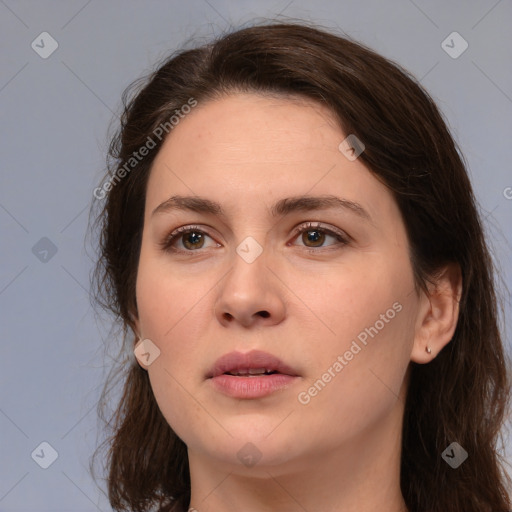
[[463, 395]]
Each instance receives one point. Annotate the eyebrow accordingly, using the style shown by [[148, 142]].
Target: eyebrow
[[280, 208]]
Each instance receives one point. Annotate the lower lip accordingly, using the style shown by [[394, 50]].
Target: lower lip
[[251, 387]]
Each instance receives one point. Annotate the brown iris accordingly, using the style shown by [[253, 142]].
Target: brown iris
[[192, 238], [317, 237]]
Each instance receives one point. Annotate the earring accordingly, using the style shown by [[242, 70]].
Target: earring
[[429, 350]]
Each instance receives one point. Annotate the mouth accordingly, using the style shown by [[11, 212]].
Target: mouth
[[251, 372], [250, 364], [251, 375]]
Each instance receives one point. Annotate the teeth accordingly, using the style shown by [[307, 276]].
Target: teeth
[[254, 371], [251, 371]]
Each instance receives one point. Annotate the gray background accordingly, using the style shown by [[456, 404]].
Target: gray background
[[54, 115]]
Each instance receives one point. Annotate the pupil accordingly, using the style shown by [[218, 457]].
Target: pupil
[[313, 235], [192, 239]]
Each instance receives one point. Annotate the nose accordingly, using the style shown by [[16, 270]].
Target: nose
[[250, 294]]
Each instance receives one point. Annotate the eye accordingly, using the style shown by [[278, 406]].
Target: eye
[[314, 235], [191, 237]]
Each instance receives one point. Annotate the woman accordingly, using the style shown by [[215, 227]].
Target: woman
[[290, 240]]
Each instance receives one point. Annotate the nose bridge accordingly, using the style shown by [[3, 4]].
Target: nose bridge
[[247, 277], [248, 293]]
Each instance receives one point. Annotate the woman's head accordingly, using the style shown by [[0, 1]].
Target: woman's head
[[325, 218]]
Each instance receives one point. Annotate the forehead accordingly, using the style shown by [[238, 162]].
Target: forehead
[[262, 126], [254, 148]]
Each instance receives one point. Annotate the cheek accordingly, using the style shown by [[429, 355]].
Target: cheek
[[358, 297], [380, 320], [173, 328], [363, 387], [167, 301], [372, 314], [174, 400], [172, 314]]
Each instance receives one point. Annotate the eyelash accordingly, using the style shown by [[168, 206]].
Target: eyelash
[[343, 239]]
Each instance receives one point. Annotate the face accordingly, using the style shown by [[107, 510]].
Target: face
[[326, 287]]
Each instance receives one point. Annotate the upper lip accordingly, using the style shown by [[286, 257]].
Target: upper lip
[[239, 361]]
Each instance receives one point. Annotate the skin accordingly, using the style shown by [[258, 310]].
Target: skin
[[341, 450]]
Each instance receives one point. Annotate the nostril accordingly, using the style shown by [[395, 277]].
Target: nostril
[[264, 314]]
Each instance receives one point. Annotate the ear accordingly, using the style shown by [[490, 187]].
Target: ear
[[438, 314]]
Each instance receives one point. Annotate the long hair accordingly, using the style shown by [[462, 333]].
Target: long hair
[[463, 395]]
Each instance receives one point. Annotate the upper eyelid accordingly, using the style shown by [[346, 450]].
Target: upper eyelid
[[174, 235], [302, 226], [322, 227]]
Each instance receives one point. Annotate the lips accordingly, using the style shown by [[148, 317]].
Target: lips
[[250, 364], [250, 376]]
